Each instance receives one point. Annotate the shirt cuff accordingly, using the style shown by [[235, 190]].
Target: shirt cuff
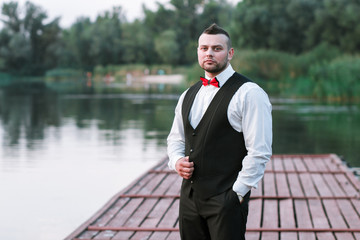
[[241, 188], [172, 162]]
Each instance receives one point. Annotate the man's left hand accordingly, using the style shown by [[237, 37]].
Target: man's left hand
[[241, 199]]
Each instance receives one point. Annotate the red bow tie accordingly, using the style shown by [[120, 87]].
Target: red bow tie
[[213, 82]]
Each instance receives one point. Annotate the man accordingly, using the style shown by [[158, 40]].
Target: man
[[219, 144]]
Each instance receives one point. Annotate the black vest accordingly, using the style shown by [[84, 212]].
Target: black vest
[[216, 149]]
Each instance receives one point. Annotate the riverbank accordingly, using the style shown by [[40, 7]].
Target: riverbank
[[325, 74]]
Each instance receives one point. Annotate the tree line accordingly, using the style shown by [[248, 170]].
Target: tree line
[[31, 43]]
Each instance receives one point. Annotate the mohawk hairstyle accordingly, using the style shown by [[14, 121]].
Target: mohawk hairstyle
[[214, 29]]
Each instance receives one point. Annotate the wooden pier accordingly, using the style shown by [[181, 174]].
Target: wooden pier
[[301, 197]]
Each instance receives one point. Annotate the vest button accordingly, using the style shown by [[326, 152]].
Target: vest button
[[191, 150], [194, 134], [191, 182]]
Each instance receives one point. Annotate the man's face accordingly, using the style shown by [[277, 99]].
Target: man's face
[[213, 53]]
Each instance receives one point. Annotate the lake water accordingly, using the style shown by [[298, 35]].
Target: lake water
[[62, 157]]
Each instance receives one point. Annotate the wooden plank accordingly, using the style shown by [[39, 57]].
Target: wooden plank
[[174, 189], [169, 220], [152, 184], [269, 185], [354, 181], [332, 164], [308, 185], [173, 236], [142, 208], [287, 219], [321, 186], [320, 164], [154, 217], [162, 165], [319, 219], [351, 212], [278, 164], [303, 219], [88, 234], [299, 164], [310, 164], [289, 164], [158, 185], [254, 218], [82, 232], [270, 219], [294, 185], [258, 191], [336, 221], [346, 185], [137, 186], [121, 218], [105, 218], [165, 184], [282, 186], [123, 235], [318, 215], [335, 187]]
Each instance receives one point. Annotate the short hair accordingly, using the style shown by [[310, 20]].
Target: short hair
[[214, 29]]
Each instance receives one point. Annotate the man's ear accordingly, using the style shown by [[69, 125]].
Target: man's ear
[[230, 54]]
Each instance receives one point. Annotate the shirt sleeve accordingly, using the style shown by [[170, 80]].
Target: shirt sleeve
[[176, 137], [256, 124]]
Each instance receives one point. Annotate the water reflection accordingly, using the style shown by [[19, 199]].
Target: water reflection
[[26, 117], [299, 126], [309, 127]]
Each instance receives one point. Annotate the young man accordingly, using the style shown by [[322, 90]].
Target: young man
[[219, 144]]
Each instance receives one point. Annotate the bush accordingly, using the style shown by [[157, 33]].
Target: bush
[[337, 80], [63, 74], [263, 64]]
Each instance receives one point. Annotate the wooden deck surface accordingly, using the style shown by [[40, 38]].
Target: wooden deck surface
[[301, 197]]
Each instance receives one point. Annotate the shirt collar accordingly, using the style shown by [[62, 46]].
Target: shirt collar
[[224, 75]]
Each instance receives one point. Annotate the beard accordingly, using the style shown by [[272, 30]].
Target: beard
[[216, 67]]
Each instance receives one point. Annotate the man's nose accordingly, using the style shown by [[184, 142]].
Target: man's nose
[[209, 52]]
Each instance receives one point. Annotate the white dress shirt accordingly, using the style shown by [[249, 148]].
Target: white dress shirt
[[249, 112]]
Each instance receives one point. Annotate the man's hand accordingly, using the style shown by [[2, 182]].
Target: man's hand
[[241, 198], [184, 168]]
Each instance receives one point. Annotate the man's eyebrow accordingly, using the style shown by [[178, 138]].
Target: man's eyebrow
[[217, 45]]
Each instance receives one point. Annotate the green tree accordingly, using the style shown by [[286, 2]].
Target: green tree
[[214, 11], [337, 23], [138, 46], [27, 42], [167, 47], [106, 38], [297, 25], [263, 24], [186, 26], [155, 23], [77, 43], [159, 21]]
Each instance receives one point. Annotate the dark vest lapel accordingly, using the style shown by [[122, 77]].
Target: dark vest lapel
[[228, 89]]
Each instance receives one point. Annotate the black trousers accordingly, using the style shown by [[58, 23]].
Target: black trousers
[[221, 217]]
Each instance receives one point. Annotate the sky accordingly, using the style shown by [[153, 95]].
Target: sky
[[70, 10]]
